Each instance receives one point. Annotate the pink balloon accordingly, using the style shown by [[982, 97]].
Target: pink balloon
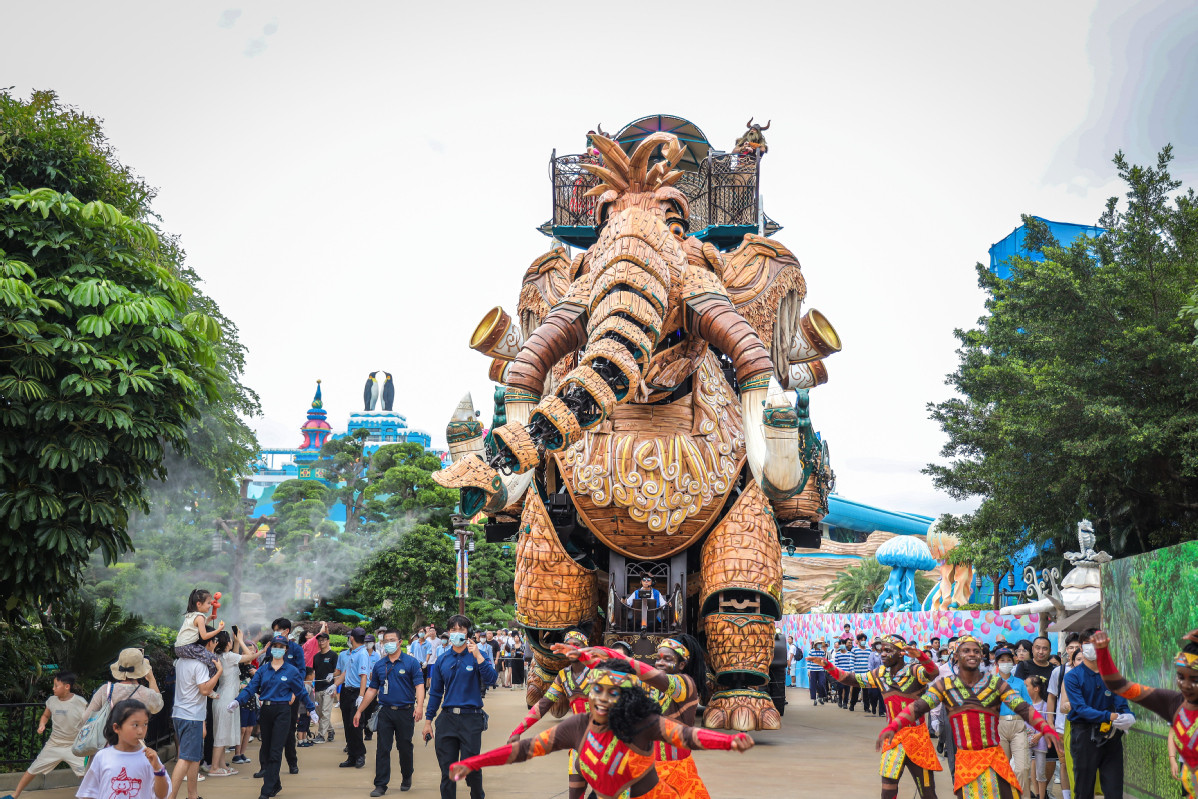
[[975, 613], [1029, 628], [985, 628], [969, 624]]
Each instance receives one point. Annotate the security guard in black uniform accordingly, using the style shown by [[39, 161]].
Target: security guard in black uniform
[[458, 678], [398, 682]]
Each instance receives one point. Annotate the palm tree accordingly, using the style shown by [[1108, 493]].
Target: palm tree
[[84, 638], [857, 588]]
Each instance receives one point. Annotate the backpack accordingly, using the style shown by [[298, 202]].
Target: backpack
[[90, 738]]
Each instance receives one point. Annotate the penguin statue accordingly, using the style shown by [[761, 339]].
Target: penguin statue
[[370, 395], [388, 392]]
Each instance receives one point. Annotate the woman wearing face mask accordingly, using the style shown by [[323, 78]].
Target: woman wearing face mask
[[1179, 708], [622, 726], [276, 684]]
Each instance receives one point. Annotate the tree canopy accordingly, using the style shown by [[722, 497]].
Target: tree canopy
[[1079, 389], [109, 357]]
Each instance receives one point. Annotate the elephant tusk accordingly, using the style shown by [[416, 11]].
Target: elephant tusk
[[514, 486], [782, 471]]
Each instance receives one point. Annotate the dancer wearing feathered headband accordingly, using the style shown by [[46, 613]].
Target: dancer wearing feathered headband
[[901, 684], [614, 739], [972, 698], [1179, 708]]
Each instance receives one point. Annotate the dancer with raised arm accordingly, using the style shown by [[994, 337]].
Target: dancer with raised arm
[[614, 739], [675, 686], [972, 698], [1179, 708], [901, 684], [568, 683]]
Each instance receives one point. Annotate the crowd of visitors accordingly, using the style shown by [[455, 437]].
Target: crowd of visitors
[[1065, 689], [284, 694]]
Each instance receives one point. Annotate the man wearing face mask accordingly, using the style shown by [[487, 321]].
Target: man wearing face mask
[[398, 683], [277, 685], [1058, 709], [350, 668], [1012, 731], [1097, 719], [457, 679]]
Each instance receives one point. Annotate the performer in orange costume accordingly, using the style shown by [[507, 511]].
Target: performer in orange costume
[[674, 685], [614, 740], [901, 684], [982, 769], [1179, 708]]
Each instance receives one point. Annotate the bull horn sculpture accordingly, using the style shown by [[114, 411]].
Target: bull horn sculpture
[[497, 336], [805, 375], [815, 339]]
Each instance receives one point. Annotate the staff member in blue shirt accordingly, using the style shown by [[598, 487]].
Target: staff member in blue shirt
[[295, 659], [373, 655], [351, 665], [276, 685], [398, 682], [1092, 704], [458, 677]]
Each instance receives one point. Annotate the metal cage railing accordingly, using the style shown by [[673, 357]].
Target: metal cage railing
[[725, 190]]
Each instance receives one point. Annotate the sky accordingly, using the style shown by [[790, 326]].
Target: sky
[[357, 184]]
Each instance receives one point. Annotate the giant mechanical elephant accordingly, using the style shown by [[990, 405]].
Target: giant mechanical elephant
[[644, 391]]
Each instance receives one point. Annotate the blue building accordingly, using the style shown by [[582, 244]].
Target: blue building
[[1064, 232], [300, 463]]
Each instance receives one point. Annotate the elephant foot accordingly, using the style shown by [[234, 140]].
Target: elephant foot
[[743, 710]]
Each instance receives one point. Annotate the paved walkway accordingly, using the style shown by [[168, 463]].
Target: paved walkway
[[824, 751]]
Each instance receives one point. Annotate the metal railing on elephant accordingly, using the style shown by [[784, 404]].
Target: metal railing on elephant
[[644, 615], [724, 191]]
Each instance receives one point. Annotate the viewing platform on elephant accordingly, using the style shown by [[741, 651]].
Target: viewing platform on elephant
[[723, 187]]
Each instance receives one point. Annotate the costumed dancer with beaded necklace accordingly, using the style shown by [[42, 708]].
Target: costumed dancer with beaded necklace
[[570, 683], [901, 684], [676, 686], [614, 739], [1179, 708], [972, 698]]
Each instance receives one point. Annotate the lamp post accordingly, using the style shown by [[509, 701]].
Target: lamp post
[[462, 547], [236, 531]]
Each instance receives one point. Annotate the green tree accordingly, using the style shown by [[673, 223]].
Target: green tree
[[302, 506], [401, 487], [492, 600], [104, 361], [85, 637], [1079, 391], [417, 577], [346, 463]]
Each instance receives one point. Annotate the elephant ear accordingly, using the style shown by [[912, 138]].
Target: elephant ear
[[545, 282], [765, 283]]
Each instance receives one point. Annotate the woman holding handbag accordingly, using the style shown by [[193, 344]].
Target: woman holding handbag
[[130, 671], [131, 674]]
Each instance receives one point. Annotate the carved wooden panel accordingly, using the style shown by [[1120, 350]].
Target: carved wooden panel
[[650, 480], [743, 553], [552, 590]]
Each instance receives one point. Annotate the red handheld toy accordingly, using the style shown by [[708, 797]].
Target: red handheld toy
[[215, 604]]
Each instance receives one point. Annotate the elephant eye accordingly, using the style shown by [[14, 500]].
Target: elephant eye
[[677, 229]]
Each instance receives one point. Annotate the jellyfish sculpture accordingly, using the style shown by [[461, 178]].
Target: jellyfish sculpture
[[904, 554]]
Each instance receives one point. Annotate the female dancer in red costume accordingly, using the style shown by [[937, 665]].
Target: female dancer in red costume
[[675, 685], [614, 740], [1179, 708], [570, 682]]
